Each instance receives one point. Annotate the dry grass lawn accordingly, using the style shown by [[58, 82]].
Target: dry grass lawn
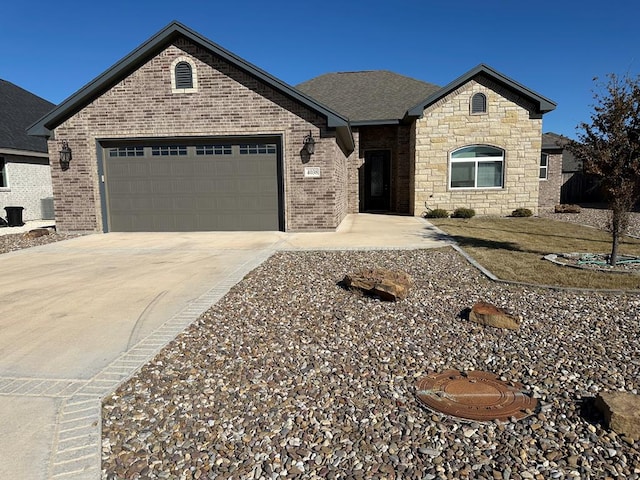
[[512, 249]]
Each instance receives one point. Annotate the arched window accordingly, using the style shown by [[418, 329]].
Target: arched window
[[184, 78], [476, 166], [479, 103]]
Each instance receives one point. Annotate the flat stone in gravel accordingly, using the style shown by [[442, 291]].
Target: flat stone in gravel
[[487, 314], [621, 411]]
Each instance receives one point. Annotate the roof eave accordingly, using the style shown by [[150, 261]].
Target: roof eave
[[544, 105], [344, 139], [364, 123], [150, 48]]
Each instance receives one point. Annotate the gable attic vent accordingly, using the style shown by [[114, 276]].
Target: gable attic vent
[[184, 77], [479, 103]]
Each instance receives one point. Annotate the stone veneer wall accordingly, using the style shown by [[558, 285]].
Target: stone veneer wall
[[447, 125], [396, 139], [550, 188], [227, 102], [29, 181]]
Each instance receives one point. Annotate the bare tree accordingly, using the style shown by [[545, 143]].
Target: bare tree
[[609, 146]]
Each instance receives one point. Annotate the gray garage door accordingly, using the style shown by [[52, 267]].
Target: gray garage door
[[200, 187]]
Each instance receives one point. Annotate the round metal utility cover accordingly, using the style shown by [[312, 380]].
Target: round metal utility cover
[[475, 396]]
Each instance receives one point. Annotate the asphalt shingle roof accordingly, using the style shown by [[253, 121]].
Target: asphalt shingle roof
[[368, 96], [18, 110], [553, 141]]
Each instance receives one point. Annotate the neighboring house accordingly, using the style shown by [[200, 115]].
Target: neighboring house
[[566, 181], [551, 168], [25, 176], [184, 135]]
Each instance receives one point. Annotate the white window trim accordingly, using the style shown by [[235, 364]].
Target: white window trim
[[476, 161], [546, 167], [194, 75], [3, 165]]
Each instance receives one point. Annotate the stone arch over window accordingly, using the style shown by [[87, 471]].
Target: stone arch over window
[[476, 166], [184, 76], [478, 103]]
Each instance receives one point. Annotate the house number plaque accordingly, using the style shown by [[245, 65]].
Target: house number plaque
[[312, 172]]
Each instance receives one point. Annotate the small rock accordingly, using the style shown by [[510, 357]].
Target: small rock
[[487, 314], [432, 452], [389, 285], [37, 232], [567, 208], [621, 412], [573, 460]]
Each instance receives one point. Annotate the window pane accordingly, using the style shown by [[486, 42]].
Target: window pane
[[3, 176], [543, 172], [462, 174], [477, 151], [489, 174], [543, 160]]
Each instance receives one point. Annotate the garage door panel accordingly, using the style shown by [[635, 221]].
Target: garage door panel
[[159, 168], [192, 192]]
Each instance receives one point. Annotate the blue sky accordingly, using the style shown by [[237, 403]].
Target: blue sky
[[555, 48]]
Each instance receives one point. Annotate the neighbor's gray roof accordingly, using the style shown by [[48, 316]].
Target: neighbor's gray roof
[[369, 97], [155, 45], [554, 141], [18, 110]]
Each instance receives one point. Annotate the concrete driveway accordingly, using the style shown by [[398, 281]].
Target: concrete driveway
[[80, 316]]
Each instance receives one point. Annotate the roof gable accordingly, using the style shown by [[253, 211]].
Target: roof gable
[[368, 97], [543, 105], [154, 46], [19, 109]]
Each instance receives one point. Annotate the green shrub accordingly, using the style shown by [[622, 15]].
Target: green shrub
[[463, 212], [521, 212], [437, 213]]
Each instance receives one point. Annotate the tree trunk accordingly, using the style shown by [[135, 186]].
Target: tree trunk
[[613, 258]]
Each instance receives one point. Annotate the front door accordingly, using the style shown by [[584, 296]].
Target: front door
[[377, 180]]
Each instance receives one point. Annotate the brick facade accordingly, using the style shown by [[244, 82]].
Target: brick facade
[[227, 102], [447, 125], [395, 139], [139, 101], [549, 194]]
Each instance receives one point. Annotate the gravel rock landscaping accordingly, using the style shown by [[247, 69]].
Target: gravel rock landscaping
[[18, 241], [594, 217], [292, 376]]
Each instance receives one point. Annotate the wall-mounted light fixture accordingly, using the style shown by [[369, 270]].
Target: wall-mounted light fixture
[[309, 144], [65, 155]]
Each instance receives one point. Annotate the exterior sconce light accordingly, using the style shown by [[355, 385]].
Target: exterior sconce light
[[65, 155], [309, 144]]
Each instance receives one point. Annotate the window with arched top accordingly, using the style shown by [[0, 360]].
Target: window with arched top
[[476, 166], [479, 103], [184, 78]]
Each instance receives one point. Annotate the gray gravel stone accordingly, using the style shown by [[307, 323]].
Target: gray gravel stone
[[291, 373]]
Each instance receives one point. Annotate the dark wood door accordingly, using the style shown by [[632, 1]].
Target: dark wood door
[[377, 180]]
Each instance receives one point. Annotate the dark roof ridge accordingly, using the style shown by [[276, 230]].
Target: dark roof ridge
[[544, 105], [151, 47]]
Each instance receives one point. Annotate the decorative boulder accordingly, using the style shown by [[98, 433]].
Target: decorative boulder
[[389, 285], [37, 232], [487, 314], [567, 208], [621, 411]]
